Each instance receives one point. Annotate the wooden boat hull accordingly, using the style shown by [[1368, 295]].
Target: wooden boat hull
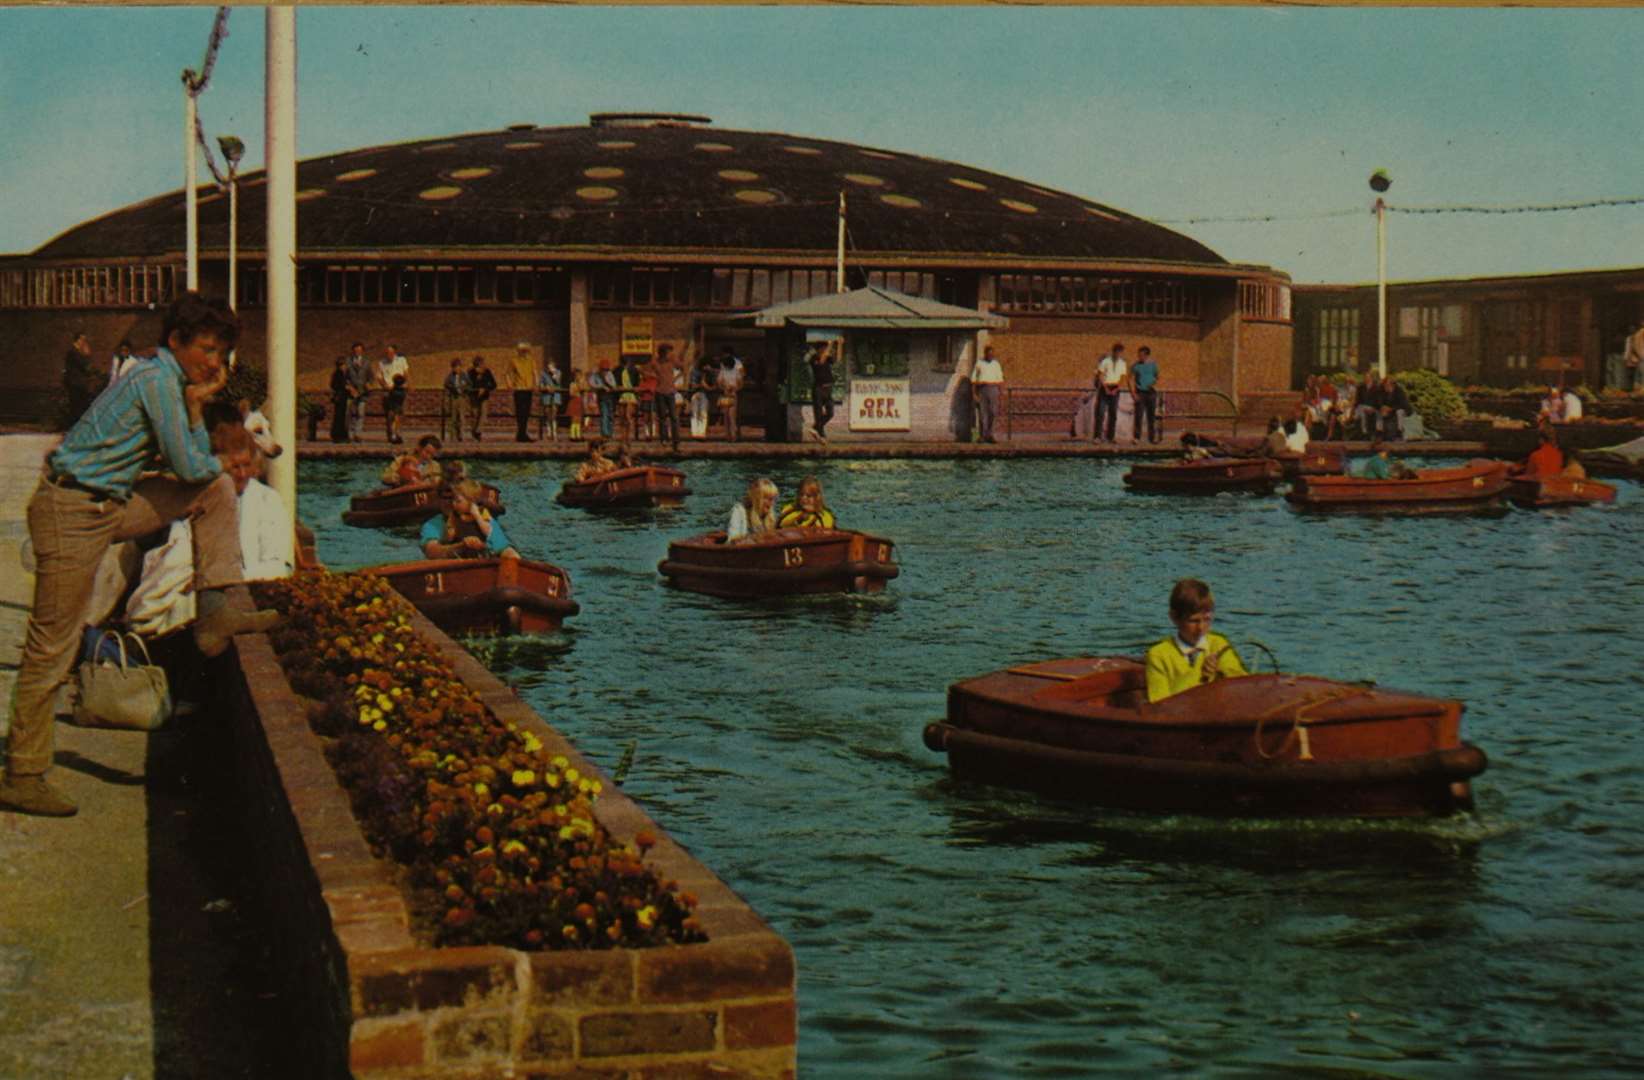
[[408, 505], [790, 562], [1544, 492], [644, 485], [1209, 476], [485, 596], [1478, 485], [1264, 745], [1316, 460]]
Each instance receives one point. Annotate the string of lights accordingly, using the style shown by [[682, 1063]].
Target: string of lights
[[197, 83]]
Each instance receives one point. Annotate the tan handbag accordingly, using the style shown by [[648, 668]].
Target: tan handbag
[[123, 695]]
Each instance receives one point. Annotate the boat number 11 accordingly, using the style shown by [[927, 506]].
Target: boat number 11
[[793, 556]]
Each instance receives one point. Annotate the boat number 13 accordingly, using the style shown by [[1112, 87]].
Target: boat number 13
[[793, 556]]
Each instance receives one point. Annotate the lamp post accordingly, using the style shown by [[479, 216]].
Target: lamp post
[[233, 150], [1380, 182]]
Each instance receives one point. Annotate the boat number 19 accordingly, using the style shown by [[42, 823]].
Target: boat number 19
[[419, 498], [433, 584], [793, 556]]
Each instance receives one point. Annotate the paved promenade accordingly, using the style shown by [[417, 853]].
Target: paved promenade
[[122, 952]]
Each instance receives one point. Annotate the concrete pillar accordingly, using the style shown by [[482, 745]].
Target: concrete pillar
[[280, 160]]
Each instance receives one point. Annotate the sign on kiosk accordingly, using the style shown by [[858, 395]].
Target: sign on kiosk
[[637, 335], [881, 405]]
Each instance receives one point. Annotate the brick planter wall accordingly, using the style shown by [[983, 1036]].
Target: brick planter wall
[[373, 1003]]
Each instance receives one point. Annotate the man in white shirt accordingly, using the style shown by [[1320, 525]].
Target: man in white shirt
[[986, 379], [1572, 405], [391, 364], [1110, 378], [121, 362]]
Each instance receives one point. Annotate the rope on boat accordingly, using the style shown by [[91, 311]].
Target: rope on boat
[[1297, 719]]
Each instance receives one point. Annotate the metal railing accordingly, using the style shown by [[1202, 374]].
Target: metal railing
[[1046, 409]]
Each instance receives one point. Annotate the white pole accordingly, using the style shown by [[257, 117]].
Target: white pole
[[280, 161], [190, 197], [234, 239], [1381, 288], [839, 257]]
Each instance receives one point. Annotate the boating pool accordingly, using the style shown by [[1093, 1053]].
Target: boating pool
[[953, 931]]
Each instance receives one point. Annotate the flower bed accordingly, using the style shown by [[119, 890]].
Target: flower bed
[[497, 837], [605, 966]]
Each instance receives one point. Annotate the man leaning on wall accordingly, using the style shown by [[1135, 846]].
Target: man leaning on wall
[[93, 493]]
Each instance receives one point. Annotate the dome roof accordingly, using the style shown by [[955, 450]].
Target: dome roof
[[647, 185]]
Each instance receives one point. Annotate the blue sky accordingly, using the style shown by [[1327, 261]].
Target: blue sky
[[1170, 113]]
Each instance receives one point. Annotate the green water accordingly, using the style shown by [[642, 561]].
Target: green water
[[946, 930]]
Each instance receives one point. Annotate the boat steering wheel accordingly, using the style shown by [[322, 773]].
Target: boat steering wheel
[[1271, 658]]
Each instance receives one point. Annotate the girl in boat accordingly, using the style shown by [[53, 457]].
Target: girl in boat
[[1192, 655], [754, 517], [808, 511], [465, 530], [417, 467], [597, 464]]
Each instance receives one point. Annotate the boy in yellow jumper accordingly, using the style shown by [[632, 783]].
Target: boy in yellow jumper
[[1193, 655]]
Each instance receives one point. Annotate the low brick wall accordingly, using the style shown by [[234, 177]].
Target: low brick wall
[[372, 1003]]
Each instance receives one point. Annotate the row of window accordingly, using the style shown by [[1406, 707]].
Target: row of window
[[90, 286], [705, 288], [1512, 332], [1077, 294], [1264, 300]]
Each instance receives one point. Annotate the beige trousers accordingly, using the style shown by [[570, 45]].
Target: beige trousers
[[71, 530]]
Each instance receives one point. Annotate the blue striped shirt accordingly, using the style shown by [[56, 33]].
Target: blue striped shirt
[[139, 415]]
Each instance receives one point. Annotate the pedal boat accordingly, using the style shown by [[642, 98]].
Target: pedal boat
[[408, 504], [1478, 485], [642, 485], [485, 596], [1544, 492], [788, 562], [1260, 745], [1207, 476]]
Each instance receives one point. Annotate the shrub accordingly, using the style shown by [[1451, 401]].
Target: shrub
[[498, 839], [1432, 395]]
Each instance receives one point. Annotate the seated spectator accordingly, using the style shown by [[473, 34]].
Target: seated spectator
[[1395, 406], [1552, 407], [1275, 443], [464, 529], [596, 465], [1192, 655], [1367, 405], [1572, 406], [809, 511], [754, 516], [268, 535]]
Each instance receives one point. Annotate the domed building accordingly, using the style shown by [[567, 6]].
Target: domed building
[[638, 229]]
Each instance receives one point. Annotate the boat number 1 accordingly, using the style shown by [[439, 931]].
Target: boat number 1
[[433, 583], [793, 556]]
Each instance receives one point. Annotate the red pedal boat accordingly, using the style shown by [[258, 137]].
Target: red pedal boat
[[1478, 485], [406, 505], [788, 562], [1207, 476], [642, 485], [479, 596], [1264, 745], [1316, 460], [1535, 493]]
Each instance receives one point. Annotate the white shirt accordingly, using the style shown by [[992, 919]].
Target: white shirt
[[1111, 370], [987, 370], [1572, 405], [1296, 440], [391, 366], [267, 536], [118, 367]]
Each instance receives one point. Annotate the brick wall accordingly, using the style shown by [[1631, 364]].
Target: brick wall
[[375, 1004]]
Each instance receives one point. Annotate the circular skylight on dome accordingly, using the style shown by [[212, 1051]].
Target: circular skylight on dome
[[436, 146], [906, 202], [757, 196], [1019, 206], [356, 174], [880, 154], [807, 151], [1102, 214], [968, 185], [521, 145], [307, 194], [441, 193], [741, 176], [597, 193], [616, 144], [715, 148], [603, 172], [473, 172], [865, 179]]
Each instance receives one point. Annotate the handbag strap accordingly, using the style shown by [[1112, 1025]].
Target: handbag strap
[[119, 640], [142, 647]]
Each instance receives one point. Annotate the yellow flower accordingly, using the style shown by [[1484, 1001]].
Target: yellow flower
[[598, 787], [560, 761], [646, 917], [572, 775], [566, 832], [376, 639], [551, 779], [380, 725], [532, 743], [513, 847], [481, 789], [524, 777]]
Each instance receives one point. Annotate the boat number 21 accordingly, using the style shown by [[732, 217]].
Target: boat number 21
[[793, 556], [433, 584]]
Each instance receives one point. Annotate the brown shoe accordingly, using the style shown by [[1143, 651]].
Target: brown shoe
[[32, 795], [212, 632]]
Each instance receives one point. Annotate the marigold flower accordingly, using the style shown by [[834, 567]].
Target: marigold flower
[[523, 777], [646, 916]]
